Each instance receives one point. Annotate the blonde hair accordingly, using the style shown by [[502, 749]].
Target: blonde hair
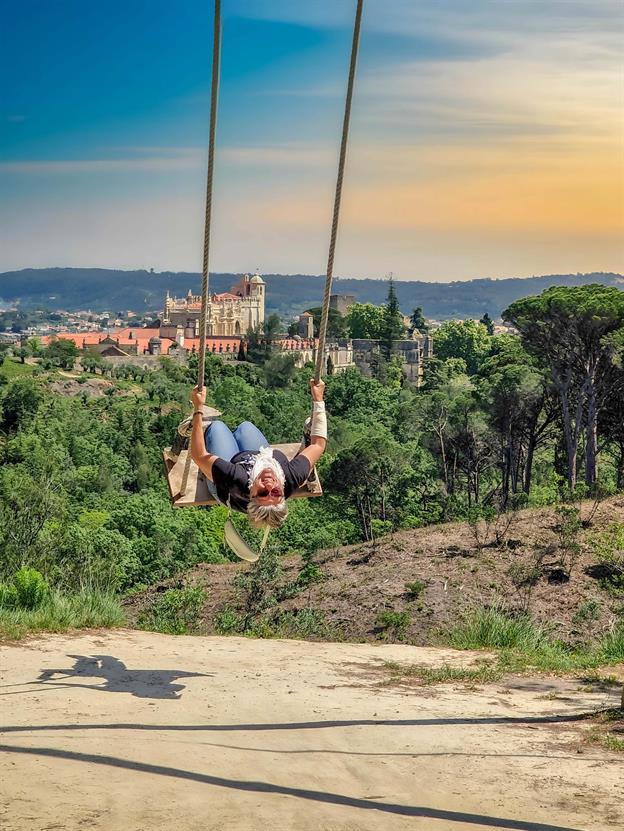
[[271, 516]]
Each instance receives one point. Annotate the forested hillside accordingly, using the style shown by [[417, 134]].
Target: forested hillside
[[108, 290], [503, 423]]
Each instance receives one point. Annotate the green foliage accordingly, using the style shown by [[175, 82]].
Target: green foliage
[[418, 321], [494, 628], [20, 401], [302, 624], [577, 334], [365, 320], [30, 587], [608, 548], [60, 353], [61, 612], [392, 327], [279, 370], [487, 321], [337, 325], [587, 611], [394, 624], [611, 648], [415, 589], [10, 369], [462, 339], [568, 529], [8, 596], [228, 622], [176, 611]]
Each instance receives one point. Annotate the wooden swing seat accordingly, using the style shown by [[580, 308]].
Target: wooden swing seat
[[197, 492]]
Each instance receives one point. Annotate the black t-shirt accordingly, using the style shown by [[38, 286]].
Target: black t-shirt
[[231, 478]]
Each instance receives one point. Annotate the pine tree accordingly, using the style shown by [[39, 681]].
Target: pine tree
[[392, 327], [418, 321], [487, 321]]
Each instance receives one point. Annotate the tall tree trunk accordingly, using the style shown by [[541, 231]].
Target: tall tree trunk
[[591, 450], [571, 441]]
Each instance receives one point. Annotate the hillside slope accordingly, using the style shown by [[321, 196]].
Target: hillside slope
[[452, 575], [109, 290]]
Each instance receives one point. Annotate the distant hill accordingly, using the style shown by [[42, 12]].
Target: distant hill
[[102, 290]]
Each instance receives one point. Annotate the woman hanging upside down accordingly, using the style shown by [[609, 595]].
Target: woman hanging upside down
[[245, 473]]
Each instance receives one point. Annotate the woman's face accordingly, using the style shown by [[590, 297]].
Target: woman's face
[[266, 489]]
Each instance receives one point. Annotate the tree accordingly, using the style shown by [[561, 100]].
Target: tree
[[336, 323], [261, 338], [22, 352], [62, 353], [279, 370], [462, 339], [34, 344], [20, 402], [365, 321], [575, 332], [418, 322], [92, 361], [487, 321], [392, 328]]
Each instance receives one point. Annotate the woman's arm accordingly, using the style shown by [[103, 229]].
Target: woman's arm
[[319, 425], [200, 455]]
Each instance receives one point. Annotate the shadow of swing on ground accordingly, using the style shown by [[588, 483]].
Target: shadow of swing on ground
[[300, 793], [117, 678]]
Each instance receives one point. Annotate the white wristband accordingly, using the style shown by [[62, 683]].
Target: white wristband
[[318, 428]]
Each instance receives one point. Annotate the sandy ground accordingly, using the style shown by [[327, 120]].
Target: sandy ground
[[139, 731]]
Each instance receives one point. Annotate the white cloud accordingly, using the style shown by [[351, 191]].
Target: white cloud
[[163, 163]]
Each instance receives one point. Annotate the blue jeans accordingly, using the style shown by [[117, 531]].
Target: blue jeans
[[221, 441]]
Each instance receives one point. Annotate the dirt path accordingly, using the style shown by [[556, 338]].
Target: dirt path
[[137, 731]]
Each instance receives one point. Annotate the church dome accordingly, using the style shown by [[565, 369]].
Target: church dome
[[257, 280]]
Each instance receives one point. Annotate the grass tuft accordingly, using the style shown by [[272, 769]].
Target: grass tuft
[[526, 645], [61, 612], [485, 673]]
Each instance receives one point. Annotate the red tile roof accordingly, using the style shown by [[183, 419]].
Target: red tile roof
[[141, 338]]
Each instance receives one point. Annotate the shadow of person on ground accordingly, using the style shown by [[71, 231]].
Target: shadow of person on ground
[[141, 683]]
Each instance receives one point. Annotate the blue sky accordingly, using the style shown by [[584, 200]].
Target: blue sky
[[487, 136]]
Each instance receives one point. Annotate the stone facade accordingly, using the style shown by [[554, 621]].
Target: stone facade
[[230, 314], [413, 353], [341, 302]]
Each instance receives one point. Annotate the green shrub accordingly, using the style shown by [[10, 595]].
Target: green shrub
[[494, 628], [612, 646], [175, 612], [587, 611], [228, 622], [303, 623], [608, 548], [394, 624], [8, 596], [59, 613], [415, 589], [31, 588]]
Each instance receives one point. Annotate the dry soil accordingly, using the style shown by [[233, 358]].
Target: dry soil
[[140, 731]]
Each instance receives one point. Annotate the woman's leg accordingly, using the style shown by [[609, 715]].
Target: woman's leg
[[248, 437], [220, 440]]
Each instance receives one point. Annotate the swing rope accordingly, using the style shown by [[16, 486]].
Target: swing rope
[[214, 96], [203, 323], [341, 166]]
